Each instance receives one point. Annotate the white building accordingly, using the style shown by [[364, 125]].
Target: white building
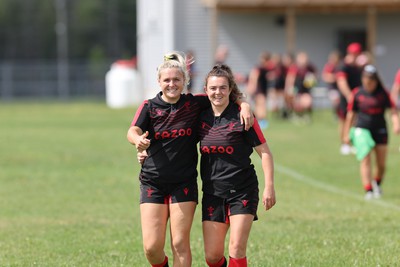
[[252, 26]]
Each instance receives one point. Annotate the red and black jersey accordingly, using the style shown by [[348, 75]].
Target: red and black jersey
[[370, 107], [332, 69], [352, 73], [225, 149], [276, 76], [280, 72], [262, 81], [172, 155], [300, 76]]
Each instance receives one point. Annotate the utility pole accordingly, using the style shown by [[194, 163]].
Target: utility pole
[[61, 29]]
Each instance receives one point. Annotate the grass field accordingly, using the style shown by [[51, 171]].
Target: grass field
[[69, 194]]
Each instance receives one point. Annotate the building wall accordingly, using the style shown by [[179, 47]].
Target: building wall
[[155, 37], [250, 34], [388, 47], [322, 37], [193, 32], [247, 35], [169, 25]]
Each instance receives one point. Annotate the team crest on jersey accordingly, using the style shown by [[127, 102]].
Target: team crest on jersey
[[231, 125], [204, 125], [158, 112], [187, 106]]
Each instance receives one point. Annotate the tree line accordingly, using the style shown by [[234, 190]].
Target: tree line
[[94, 29]]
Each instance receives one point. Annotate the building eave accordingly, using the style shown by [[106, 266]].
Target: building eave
[[303, 5]]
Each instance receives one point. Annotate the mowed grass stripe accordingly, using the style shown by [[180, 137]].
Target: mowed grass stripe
[[332, 189]]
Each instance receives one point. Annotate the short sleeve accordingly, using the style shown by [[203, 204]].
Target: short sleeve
[[254, 136], [142, 116], [342, 72]]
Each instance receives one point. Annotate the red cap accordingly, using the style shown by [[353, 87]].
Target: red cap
[[354, 48]]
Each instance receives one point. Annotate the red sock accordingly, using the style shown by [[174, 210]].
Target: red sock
[[163, 264], [237, 262], [221, 263], [368, 187], [378, 180]]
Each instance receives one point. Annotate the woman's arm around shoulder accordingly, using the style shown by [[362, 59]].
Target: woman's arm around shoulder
[[246, 114]]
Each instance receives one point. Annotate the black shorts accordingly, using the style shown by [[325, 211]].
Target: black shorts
[[219, 209], [341, 110], [151, 192], [279, 84], [262, 91], [380, 136]]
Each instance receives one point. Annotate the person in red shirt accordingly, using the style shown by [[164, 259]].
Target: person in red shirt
[[230, 184], [366, 110], [164, 131], [276, 80], [347, 78], [300, 79], [396, 89], [258, 86]]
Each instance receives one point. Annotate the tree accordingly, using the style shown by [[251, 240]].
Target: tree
[[107, 27]]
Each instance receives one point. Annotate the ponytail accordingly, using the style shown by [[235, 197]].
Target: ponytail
[[177, 60]]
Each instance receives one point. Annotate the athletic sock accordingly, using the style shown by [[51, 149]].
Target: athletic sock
[[368, 188], [237, 262], [163, 264], [220, 263], [378, 180]]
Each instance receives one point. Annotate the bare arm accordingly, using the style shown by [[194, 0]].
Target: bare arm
[[395, 120], [246, 115], [344, 87], [137, 138], [289, 83], [328, 77], [267, 163], [252, 83]]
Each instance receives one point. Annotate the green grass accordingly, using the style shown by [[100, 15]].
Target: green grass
[[69, 194]]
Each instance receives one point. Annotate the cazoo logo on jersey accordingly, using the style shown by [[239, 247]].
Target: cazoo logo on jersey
[[173, 133], [217, 150]]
